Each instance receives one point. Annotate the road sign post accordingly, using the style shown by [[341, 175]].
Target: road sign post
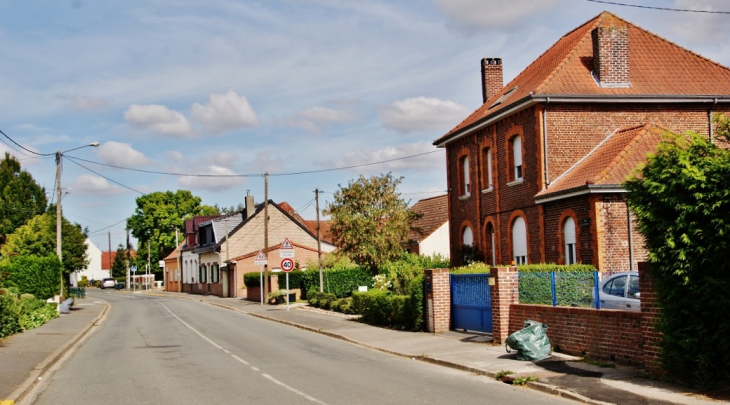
[[287, 265], [261, 261]]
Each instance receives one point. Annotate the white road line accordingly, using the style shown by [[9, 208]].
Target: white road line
[[268, 377]]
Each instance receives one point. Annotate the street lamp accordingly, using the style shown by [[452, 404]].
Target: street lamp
[[59, 155]]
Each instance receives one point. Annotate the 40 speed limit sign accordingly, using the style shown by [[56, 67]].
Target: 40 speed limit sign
[[287, 265]]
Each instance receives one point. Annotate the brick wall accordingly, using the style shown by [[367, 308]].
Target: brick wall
[[438, 300], [650, 312], [612, 234], [601, 334]]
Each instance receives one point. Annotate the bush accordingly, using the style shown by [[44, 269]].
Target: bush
[[39, 276], [84, 282], [472, 268], [22, 313], [384, 308], [252, 280], [340, 282]]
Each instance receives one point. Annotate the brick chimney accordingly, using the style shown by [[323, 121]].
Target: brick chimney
[[250, 206], [491, 77], [611, 55]]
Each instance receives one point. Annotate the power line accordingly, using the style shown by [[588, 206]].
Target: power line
[[104, 229], [683, 10], [101, 175], [253, 174], [26, 149]]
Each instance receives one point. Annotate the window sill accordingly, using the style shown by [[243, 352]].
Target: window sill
[[487, 190], [465, 196], [516, 182]]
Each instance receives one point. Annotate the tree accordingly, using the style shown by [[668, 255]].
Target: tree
[[369, 220], [21, 198], [38, 238], [119, 265], [681, 200], [157, 216]]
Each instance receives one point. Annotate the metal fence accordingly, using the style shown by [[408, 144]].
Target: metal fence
[[563, 288]]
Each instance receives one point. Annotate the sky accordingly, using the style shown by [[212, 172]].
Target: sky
[[314, 92]]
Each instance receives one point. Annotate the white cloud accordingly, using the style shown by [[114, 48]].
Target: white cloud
[[421, 114], [225, 159], [174, 156], [312, 119], [224, 112], [211, 183], [473, 15], [81, 103], [395, 153], [121, 154], [160, 119], [31, 127], [266, 161], [87, 184]]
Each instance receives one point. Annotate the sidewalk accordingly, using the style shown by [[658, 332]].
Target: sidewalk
[[561, 375], [24, 357]]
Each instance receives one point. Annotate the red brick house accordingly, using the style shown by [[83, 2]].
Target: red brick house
[[535, 173]]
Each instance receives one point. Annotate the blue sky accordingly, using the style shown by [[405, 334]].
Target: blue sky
[[282, 86]]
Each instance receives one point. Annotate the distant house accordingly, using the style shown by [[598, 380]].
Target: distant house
[[94, 270], [535, 173], [429, 234], [172, 270]]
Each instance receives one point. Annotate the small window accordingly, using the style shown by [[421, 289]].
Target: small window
[[519, 241], [465, 175], [517, 157], [569, 240], [492, 247], [616, 287], [487, 172], [467, 237]]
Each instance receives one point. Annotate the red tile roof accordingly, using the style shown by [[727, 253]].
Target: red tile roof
[[192, 225], [435, 212], [657, 68], [107, 258], [611, 162]]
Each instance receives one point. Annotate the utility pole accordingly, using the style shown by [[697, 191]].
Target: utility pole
[[59, 219], [110, 253], [126, 253], [266, 233], [319, 241], [149, 269]]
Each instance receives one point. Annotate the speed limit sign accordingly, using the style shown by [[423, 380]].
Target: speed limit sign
[[287, 265]]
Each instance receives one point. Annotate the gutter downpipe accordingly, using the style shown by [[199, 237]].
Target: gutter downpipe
[[545, 140], [631, 239], [709, 116]]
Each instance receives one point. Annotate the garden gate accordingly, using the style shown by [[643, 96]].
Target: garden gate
[[471, 302]]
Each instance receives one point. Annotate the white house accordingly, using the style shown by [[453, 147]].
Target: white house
[[93, 271]]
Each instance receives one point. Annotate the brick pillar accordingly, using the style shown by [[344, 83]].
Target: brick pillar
[[504, 293], [650, 313], [437, 296]]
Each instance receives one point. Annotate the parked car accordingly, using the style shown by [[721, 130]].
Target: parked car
[[620, 291], [108, 283]]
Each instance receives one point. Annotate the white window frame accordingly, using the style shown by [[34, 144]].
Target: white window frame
[[519, 241], [490, 183], [491, 237], [569, 243], [517, 157], [465, 175], [467, 236]]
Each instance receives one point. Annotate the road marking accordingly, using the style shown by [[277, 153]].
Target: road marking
[[267, 376]]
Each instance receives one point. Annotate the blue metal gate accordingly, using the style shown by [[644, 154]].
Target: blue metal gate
[[471, 302]]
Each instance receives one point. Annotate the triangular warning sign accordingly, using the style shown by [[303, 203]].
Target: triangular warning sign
[[260, 257], [287, 244]]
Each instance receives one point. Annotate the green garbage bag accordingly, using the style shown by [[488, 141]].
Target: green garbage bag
[[531, 342]]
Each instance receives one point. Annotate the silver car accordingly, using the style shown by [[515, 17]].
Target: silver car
[[108, 283], [620, 291]]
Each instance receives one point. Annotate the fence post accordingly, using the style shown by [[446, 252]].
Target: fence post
[[552, 288]]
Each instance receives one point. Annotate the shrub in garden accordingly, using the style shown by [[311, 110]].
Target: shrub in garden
[[33, 275], [341, 281], [252, 280], [22, 313]]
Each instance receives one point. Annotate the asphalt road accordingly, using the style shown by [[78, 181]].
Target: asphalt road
[[153, 350]]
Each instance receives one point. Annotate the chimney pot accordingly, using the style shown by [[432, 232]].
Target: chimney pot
[[492, 81], [611, 56]]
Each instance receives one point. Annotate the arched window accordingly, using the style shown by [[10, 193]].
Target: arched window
[[519, 241], [467, 236], [492, 254], [517, 157], [487, 172], [569, 240], [464, 176]]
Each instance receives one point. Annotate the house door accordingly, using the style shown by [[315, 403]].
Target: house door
[[224, 283], [471, 302]]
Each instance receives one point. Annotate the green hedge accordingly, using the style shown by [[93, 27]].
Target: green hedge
[[573, 284], [340, 282], [252, 279], [384, 308], [19, 313], [40, 276]]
